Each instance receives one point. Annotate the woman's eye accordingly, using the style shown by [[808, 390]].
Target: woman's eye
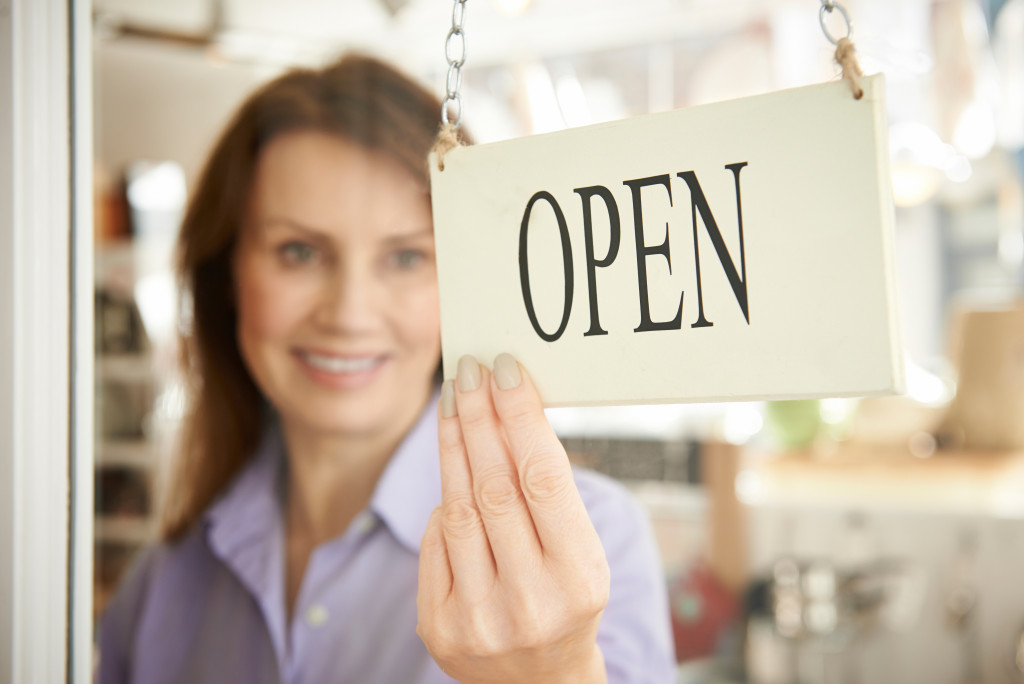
[[407, 258], [295, 253]]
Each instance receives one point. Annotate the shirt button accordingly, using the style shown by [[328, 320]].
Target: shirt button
[[366, 523], [316, 615]]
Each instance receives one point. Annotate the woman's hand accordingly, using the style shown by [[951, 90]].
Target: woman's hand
[[513, 578]]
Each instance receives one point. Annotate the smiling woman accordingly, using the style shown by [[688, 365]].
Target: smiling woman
[[326, 523], [336, 289], [228, 215]]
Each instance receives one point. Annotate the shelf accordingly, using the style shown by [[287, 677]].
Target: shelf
[[979, 483], [124, 530], [119, 265], [134, 368], [137, 453]]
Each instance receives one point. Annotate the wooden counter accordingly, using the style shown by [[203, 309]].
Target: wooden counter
[[983, 483]]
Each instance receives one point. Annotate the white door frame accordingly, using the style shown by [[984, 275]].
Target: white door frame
[[46, 385]]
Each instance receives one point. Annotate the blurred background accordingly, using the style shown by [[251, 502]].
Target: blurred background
[[833, 541]]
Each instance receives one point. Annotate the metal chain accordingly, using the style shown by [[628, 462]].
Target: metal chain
[[456, 41], [827, 6]]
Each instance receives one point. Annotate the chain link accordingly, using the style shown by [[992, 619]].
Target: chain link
[[455, 42], [827, 6]]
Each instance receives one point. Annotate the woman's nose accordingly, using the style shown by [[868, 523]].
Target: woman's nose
[[350, 300]]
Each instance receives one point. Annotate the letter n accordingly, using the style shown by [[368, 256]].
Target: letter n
[[738, 281]]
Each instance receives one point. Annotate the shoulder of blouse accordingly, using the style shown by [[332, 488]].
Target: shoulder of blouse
[[117, 627]]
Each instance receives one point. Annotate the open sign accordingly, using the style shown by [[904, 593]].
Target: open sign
[[731, 251]]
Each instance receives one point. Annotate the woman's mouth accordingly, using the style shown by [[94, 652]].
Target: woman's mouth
[[340, 371], [338, 364]]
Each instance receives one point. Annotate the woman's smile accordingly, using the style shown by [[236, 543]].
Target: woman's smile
[[337, 371]]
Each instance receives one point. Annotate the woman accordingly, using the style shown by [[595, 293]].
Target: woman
[[326, 522]]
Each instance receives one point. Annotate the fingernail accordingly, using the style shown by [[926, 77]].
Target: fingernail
[[506, 372], [468, 374], [448, 408]]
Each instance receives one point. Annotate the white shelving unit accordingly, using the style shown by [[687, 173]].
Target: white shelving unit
[[133, 369]]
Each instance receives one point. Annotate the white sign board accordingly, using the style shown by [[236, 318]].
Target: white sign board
[[732, 251]]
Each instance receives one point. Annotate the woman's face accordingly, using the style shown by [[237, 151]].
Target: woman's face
[[336, 287]]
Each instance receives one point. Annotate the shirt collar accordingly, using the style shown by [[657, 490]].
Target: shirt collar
[[410, 487], [240, 522], [250, 506]]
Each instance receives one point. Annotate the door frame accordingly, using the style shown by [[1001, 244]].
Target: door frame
[[46, 341]]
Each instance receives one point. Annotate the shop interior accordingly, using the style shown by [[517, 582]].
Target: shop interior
[[831, 540]]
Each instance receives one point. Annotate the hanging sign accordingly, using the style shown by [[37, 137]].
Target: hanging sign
[[731, 251]]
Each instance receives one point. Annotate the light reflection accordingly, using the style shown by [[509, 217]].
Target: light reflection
[[920, 160], [741, 422], [572, 101], [975, 132], [512, 8], [925, 387], [749, 487], [156, 297]]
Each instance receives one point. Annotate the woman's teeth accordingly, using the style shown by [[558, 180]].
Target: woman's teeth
[[334, 364]]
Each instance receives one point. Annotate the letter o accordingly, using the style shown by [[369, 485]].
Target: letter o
[[524, 268]]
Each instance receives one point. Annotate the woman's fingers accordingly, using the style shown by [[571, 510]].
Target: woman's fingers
[[496, 489], [435, 572], [468, 550], [456, 479], [528, 576], [545, 475]]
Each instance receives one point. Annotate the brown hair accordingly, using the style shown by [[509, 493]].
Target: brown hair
[[359, 98]]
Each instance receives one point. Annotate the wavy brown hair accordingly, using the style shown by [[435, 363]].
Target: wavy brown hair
[[358, 98]]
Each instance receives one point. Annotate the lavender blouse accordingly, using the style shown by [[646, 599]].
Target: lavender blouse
[[211, 607]]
